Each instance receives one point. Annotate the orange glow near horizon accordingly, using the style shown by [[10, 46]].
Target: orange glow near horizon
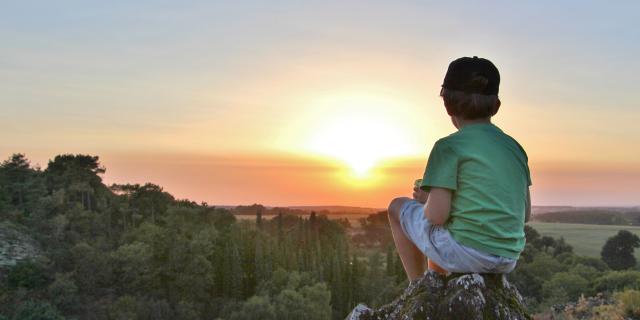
[[283, 180], [359, 131]]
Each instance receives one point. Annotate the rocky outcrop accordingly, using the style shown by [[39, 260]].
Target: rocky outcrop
[[15, 246], [457, 296]]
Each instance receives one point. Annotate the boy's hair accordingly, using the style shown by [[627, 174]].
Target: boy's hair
[[470, 106], [470, 88]]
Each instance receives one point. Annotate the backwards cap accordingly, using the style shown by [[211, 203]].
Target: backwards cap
[[472, 75]]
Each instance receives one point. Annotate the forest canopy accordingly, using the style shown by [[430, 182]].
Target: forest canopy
[[134, 251]]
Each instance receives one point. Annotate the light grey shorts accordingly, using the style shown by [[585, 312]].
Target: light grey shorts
[[438, 245]]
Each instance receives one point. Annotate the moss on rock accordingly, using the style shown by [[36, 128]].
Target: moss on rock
[[456, 296]]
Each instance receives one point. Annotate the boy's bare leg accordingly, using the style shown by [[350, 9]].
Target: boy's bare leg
[[414, 262]]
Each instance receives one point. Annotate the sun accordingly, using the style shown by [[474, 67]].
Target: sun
[[357, 142], [361, 135]]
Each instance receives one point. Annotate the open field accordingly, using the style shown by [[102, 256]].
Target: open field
[[586, 239]]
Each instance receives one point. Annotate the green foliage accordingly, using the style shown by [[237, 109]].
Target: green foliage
[[135, 252], [149, 200], [64, 292], [33, 310], [630, 300], [618, 280], [141, 308], [124, 308], [21, 188], [617, 252], [572, 284], [376, 231], [595, 263], [288, 295], [27, 274], [257, 307], [584, 271], [91, 268], [78, 176]]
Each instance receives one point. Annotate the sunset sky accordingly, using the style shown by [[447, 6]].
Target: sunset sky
[[318, 102]]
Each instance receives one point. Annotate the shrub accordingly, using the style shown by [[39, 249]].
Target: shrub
[[618, 280], [32, 310], [572, 284], [27, 274], [630, 300]]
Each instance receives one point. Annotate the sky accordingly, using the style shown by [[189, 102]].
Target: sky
[[318, 102]]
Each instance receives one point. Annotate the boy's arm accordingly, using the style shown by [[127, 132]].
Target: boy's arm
[[527, 207], [438, 205]]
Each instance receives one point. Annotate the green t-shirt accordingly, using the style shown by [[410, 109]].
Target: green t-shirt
[[489, 175]]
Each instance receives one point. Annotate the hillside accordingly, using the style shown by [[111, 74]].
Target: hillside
[[15, 245]]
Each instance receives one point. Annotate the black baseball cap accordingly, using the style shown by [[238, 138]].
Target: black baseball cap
[[466, 74]]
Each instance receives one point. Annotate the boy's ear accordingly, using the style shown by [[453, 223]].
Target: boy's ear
[[497, 107]]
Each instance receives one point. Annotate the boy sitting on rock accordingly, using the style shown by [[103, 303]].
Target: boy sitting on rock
[[468, 213]]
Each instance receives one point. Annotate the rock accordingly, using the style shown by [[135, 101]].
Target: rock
[[15, 246], [457, 296]]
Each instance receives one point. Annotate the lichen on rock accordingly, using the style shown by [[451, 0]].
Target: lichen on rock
[[456, 296]]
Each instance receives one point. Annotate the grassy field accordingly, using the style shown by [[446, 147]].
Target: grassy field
[[586, 239]]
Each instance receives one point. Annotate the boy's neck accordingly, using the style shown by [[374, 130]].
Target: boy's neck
[[460, 123]]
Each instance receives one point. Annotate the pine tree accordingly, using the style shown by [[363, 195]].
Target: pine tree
[[232, 273], [337, 284], [390, 260], [354, 281], [259, 219], [259, 259], [280, 228]]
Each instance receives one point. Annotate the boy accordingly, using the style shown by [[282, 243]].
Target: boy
[[468, 213]]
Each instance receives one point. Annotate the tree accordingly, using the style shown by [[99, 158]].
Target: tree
[[531, 234], [572, 284], [78, 175], [546, 242], [149, 200], [232, 270], [390, 260], [27, 274], [64, 292], [20, 185], [618, 280], [259, 218], [294, 295], [32, 310], [561, 247], [257, 307], [617, 252]]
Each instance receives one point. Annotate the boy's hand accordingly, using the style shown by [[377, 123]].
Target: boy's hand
[[420, 195]]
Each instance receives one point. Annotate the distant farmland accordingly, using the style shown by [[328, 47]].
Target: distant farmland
[[586, 239]]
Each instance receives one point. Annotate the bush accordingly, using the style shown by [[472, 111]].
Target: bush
[[27, 274], [32, 310], [618, 280], [64, 292], [257, 307], [586, 272], [630, 300], [572, 284]]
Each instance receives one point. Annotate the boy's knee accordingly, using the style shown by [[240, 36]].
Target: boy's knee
[[395, 206]]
